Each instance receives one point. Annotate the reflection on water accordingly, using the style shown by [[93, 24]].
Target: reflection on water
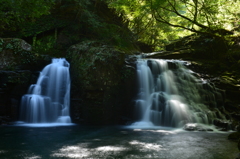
[[111, 142], [80, 151], [19, 123], [145, 146]]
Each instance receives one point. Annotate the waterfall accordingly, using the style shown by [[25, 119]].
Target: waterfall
[[172, 95], [48, 100]]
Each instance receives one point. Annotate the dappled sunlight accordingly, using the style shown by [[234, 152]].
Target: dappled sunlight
[[81, 151], [146, 146], [72, 152], [33, 157], [110, 148], [112, 142], [42, 124], [165, 132]]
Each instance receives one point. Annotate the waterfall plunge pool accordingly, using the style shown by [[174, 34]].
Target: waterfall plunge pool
[[113, 142], [38, 140]]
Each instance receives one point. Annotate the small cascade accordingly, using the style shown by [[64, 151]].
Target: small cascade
[[171, 95], [48, 100]]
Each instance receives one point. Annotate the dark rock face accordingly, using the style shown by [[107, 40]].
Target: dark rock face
[[15, 54], [18, 66], [102, 85], [201, 46], [13, 84]]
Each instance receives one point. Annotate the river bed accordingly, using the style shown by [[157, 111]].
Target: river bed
[[112, 142]]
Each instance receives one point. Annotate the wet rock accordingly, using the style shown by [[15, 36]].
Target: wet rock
[[223, 125], [190, 127], [195, 127], [172, 65]]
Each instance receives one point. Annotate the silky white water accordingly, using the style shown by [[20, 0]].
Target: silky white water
[[171, 95], [48, 100]]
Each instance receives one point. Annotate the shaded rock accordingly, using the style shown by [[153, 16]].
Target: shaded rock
[[222, 124], [239, 146], [5, 120], [144, 47], [200, 46], [181, 54], [234, 136], [19, 68], [101, 79], [15, 53], [13, 84]]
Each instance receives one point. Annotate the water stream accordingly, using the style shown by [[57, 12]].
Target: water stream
[[172, 95], [48, 100]]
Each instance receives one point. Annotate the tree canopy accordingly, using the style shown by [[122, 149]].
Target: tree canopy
[[159, 21], [154, 22], [15, 12]]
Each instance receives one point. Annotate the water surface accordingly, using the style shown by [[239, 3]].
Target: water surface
[[112, 142]]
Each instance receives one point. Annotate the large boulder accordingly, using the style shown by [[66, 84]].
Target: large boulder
[[102, 85], [200, 46], [15, 53]]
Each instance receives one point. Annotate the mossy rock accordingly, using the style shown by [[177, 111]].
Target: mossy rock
[[201, 46], [96, 65], [15, 53], [98, 72]]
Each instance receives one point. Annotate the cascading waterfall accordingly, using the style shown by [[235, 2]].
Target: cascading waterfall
[[171, 95], [48, 100]]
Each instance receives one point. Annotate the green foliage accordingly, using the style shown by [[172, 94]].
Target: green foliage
[[159, 21], [15, 13], [46, 46], [94, 20], [75, 20]]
